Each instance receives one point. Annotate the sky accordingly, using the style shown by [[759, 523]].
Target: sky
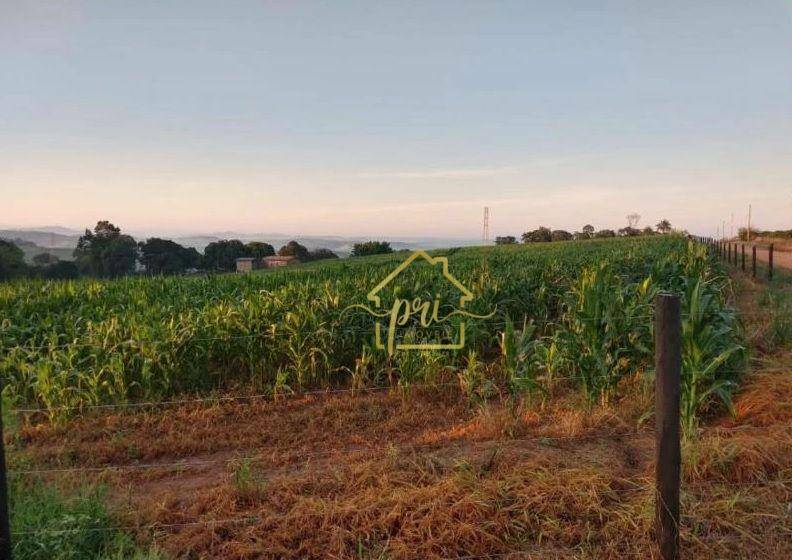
[[395, 118]]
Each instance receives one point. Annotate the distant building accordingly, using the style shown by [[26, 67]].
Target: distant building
[[248, 264], [272, 262]]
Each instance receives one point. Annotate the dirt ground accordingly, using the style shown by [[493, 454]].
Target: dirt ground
[[422, 475], [782, 253]]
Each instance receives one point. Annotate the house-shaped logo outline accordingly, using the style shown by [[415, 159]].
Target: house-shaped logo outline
[[466, 296]]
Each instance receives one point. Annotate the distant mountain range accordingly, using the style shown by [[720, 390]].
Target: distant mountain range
[[44, 237], [58, 237]]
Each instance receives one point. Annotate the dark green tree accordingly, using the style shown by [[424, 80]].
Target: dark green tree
[[560, 235], [371, 248], [540, 235], [60, 270], [44, 259], [12, 260], [259, 249], [663, 226], [106, 252], [222, 255], [163, 256], [321, 254], [294, 249], [629, 231], [505, 240]]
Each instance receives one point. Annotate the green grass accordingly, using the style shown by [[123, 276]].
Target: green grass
[[776, 302], [49, 525]]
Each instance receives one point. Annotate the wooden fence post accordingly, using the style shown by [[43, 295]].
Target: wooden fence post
[[753, 260], [742, 256], [5, 525], [770, 263], [668, 454]]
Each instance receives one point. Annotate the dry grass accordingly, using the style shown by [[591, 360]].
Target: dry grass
[[425, 476]]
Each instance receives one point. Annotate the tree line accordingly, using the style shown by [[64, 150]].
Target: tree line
[[544, 234], [107, 252]]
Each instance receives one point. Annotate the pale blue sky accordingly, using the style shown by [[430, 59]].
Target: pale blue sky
[[394, 118]]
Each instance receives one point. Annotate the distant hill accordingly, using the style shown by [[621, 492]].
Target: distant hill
[[340, 245], [58, 237], [55, 229], [42, 238]]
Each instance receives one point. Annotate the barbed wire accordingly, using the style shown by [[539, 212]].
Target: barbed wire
[[292, 394], [260, 454], [226, 398], [285, 516], [402, 449]]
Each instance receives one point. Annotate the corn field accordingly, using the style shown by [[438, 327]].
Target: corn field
[[579, 311]]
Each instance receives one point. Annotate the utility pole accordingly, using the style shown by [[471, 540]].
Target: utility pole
[[749, 222], [485, 230]]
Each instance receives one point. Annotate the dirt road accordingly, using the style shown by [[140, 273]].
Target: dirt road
[[782, 257]]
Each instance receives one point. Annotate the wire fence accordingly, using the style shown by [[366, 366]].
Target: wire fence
[[261, 453], [645, 488], [296, 394]]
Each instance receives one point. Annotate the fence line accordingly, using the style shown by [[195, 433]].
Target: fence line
[[259, 454], [727, 251], [282, 516], [402, 449], [293, 395]]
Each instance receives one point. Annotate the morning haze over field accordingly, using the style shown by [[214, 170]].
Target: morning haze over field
[[395, 120]]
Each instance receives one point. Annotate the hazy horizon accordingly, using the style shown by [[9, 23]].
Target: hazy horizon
[[395, 120]]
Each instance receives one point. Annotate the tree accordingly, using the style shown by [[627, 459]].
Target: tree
[[60, 270], [259, 249], [294, 249], [44, 259], [371, 248], [604, 233], [540, 235], [588, 230], [505, 240], [163, 256], [629, 232], [222, 255], [321, 254], [633, 219], [106, 252], [648, 231], [663, 226], [560, 235], [12, 260]]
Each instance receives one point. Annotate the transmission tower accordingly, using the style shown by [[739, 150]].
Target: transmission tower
[[485, 230]]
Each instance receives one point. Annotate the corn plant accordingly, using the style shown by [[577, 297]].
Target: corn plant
[[711, 356], [84, 342]]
